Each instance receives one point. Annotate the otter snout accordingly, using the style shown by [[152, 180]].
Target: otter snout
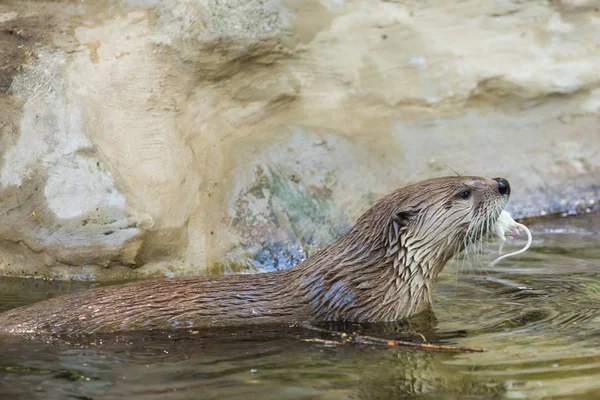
[[503, 186]]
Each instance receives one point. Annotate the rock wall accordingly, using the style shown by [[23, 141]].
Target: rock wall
[[180, 136]]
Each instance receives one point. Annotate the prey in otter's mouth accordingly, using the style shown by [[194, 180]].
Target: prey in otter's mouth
[[383, 269]]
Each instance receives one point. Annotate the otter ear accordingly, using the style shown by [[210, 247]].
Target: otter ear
[[397, 225]]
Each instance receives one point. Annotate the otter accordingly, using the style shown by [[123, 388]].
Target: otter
[[383, 269]]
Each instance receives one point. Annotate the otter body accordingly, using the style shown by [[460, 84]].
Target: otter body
[[383, 269]]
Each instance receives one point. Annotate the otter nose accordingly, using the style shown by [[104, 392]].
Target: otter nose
[[503, 186]]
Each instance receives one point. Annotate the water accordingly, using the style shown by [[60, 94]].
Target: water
[[537, 315]]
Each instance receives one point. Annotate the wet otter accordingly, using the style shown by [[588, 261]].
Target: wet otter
[[383, 269]]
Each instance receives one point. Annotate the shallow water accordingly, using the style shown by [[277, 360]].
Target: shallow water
[[538, 316]]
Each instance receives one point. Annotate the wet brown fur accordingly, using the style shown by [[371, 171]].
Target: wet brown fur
[[383, 269]]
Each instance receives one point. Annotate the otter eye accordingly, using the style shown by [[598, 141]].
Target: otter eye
[[465, 194]]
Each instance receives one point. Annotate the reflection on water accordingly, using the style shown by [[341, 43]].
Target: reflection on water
[[537, 315]]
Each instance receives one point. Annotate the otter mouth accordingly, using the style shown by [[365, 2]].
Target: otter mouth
[[482, 230], [496, 224], [490, 221]]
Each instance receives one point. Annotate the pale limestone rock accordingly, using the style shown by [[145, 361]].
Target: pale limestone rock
[[175, 135]]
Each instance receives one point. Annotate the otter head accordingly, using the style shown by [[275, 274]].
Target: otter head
[[431, 221]]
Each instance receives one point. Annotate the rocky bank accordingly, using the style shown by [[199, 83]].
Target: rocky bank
[[185, 136]]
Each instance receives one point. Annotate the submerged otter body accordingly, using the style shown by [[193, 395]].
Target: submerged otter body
[[383, 269]]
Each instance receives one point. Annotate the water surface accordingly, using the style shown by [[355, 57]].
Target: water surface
[[538, 316]]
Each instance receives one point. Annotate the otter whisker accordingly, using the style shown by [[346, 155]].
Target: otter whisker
[[470, 247], [476, 240]]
